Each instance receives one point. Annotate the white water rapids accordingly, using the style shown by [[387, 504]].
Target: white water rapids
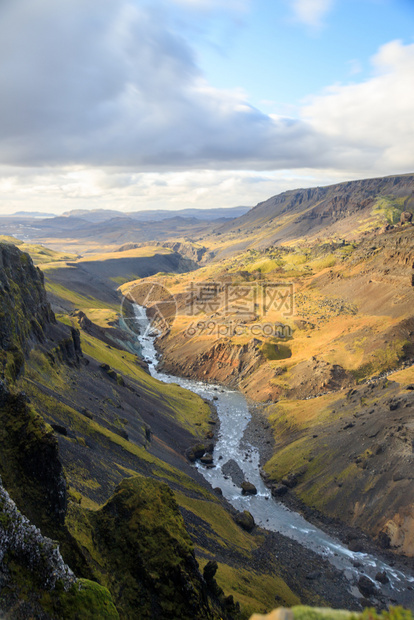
[[270, 514]]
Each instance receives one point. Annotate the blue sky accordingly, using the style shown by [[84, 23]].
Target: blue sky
[[278, 57], [275, 56], [136, 104]]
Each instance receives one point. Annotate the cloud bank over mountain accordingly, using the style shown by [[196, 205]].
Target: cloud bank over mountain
[[114, 84]]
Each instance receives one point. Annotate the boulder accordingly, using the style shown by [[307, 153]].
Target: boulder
[[58, 428], [199, 450], [210, 571], [406, 217], [234, 471], [248, 488], [279, 490], [190, 455], [367, 587], [382, 577], [356, 546], [207, 459], [384, 540], [290, 481], [245, 520]]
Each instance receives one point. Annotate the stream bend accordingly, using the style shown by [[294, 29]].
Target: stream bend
[[234, 416]]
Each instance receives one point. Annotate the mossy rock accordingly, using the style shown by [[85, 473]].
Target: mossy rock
[[248, 488], [246, 520], [139, 548], [85, 599], [29, 462], [24, 308]]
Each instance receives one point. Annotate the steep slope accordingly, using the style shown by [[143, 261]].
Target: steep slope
[[350, 456], [344, 210]]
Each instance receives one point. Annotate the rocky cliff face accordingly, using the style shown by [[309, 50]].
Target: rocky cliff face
[[297, 213], [187, 250], [35, 581], [26, 318], [29, 461], [24, 310], [242, 366]]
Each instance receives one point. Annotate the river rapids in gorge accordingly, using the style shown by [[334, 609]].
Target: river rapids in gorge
[[268, 513]]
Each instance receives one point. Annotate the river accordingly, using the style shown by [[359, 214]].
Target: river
[[234, 416]]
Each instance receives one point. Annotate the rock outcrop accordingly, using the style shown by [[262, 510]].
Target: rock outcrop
[[29, 462], [24, 310], [311, 211], [139, 546], [26, 318], [35, 580]]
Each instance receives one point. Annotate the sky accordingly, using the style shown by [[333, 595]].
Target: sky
[[145, 104]]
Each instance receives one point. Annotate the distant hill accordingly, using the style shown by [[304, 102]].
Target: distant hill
[[32, 214], [102, 215], [115, 231]]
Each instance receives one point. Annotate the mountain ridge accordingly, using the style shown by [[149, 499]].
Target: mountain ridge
[[340, 210]]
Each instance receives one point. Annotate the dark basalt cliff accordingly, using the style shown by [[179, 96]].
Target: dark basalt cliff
[[26, 318], [24, 308]]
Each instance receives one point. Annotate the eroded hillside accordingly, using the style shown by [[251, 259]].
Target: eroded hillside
[[300, 325]]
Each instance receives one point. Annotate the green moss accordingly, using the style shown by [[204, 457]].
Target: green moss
[[394, 613], [139, 548], [275, 351], [29, 462], [389, 209], [82, 302], [218, 523], [256, 592], [382, 360], [85, 599], [315, 613], [185, 407]]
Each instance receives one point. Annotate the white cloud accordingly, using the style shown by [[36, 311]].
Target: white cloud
[[229, 5], [90, 85], [373, 121], [311, 12], [56, 191], [107, 83]]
